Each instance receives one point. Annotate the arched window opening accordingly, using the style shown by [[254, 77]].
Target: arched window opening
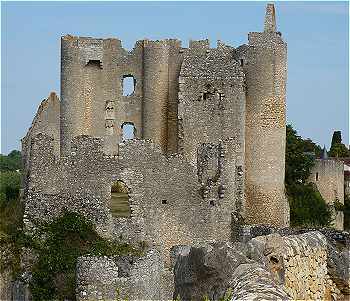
[[120, 206], [96, 63], [129, 131], [128, 85]]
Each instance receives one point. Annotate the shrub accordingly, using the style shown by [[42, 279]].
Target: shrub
[[67, 238], [10, 183], [347, 213], [11, 162], [307, 207], [338, 206]]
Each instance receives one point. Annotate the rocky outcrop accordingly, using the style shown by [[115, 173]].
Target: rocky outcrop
[[338, 266], [267, 267], [299, 262], [337, 249], [212, 270], [253, 282]]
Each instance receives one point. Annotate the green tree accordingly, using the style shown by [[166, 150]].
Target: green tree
[[312, 147], [10, 183], [307, 206], [298, 164], [336, 138], [11, 162], [338, 149]]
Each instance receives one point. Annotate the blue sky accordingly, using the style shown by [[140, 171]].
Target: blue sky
[[317, 34]]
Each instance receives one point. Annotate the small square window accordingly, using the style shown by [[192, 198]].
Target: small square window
[[128, 85]]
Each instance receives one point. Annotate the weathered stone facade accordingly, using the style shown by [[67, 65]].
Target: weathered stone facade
[[104, 278], [328, 175], [299, 262], [305, 251], [269, 267], [209, 141]]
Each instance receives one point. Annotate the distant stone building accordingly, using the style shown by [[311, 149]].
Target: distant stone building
[[347, 178], [328, 175], [208, 151], [346, 161]]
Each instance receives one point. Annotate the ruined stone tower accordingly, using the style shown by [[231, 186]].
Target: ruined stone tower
[[265, 65], [208, 147]]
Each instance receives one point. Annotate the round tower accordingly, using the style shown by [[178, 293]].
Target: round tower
[[155, 87], [82, 100], [265, 65], [70, 82]]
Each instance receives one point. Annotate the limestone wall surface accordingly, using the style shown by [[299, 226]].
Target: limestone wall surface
[[165, 193], [269, 267], [218, 270], [104, 278], [312, 263], [46, 121], [264, 61], [5, 284], [300, 263]]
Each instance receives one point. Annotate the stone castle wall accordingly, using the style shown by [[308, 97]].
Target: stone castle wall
[[82, 183], [93, 70], [328, 175], [267, 267], [211, 114], [104, 278], [209, 138], [46, 120], [299, 262]]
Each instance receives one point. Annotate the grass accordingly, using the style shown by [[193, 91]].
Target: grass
[[120, 204], [11, 235]]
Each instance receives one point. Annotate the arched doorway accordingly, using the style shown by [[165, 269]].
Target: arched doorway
[[120, 204], [128, 131]]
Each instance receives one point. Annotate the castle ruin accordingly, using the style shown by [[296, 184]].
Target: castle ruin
[[208, 151]]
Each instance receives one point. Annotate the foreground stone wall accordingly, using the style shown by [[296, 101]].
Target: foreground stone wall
[[270, 267], [222, 269], [299, 262], [104, 278], [305, 251]]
